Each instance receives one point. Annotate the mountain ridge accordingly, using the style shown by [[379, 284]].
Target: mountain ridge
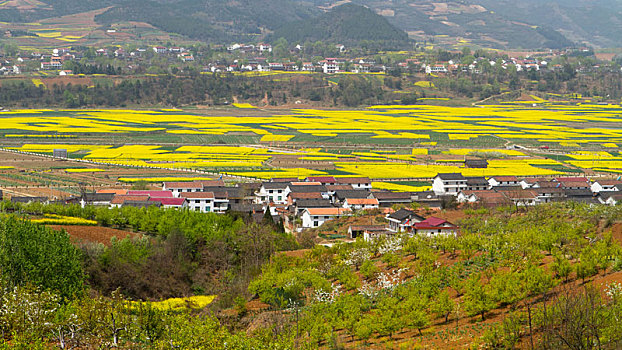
[[502, 24]]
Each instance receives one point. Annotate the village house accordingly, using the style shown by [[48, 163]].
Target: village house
[[355, 231], [96, 199], [548, 194], [360, 203], [307, 187], [387, 199], [426, 198], [340, 195], [316, 217], [293, 197], [581, 195], [575, 185], [301, 204], [324, 180], [522, 198], [436, 69], [434, 226], [604, 185], [186, 57], [264, 47], [476, 163], [503, 181], [483, 198], [200, 201], [477, 183], [450, 183], [357, 183], [171, 202], [190, 186], [120, 200], [274, 192], [403, 220], [331, 66]]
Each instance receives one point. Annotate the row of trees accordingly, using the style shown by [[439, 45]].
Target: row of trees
[[163, 90]]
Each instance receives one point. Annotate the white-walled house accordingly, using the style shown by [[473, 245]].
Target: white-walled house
[[357, 183], [433, 226], [199, 201], [275, 192], [504, 181], [451, 183], [182, 187], [605, 185], [190, 186], [403, 220], [316, 217]]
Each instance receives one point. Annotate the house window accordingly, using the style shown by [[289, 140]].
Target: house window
[[271, 191], [279, 197], [197, 208], [197, 201], [315, 223]]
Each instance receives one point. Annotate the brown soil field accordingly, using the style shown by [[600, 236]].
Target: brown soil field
[[93, 234]]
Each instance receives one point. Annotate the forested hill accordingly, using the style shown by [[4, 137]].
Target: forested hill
[[493, 23], [208, 20], [211, 20], [346, 24]]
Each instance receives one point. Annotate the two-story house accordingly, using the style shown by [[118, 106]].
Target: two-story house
[[449, 184]]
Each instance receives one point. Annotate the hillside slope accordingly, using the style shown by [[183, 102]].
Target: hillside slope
[[347, 24], [505, 23]]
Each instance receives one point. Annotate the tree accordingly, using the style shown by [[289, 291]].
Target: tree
[[477, 300], [588, 265], [443, 305], [415, 315], [34, 254], [389, 316], [281, 48]]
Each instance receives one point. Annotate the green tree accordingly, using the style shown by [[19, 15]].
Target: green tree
[[34, 254], [443, 305], [477, 300]]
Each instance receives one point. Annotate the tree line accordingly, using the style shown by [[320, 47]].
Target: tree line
[[166, 90]]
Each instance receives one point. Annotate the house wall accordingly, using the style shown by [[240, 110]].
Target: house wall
[[204, 205]]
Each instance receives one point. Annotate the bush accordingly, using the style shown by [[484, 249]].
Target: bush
[[369, 269]]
